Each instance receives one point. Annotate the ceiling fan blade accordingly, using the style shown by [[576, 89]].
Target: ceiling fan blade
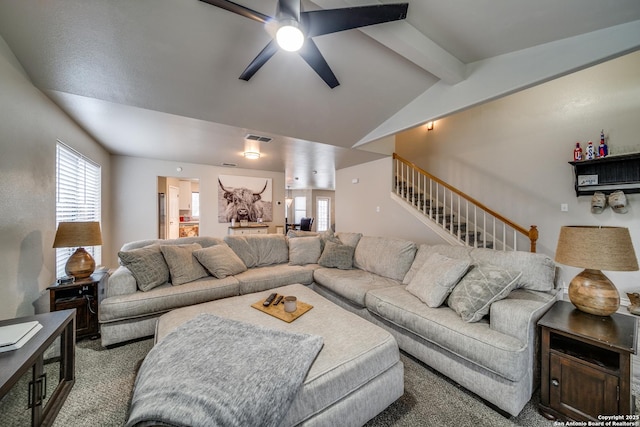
[[288, 9], [240, 10], [264, 55], [311, 54], [319, 22]]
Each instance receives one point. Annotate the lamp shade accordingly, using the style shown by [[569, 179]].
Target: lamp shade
[[76, 234], [596, 248]]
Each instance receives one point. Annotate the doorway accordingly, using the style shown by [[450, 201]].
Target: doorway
[[178, 207]]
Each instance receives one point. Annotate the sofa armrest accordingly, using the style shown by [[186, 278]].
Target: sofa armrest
[[518, 314], [121, 282]]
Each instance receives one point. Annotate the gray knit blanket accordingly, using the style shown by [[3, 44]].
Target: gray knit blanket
[[212, 371]]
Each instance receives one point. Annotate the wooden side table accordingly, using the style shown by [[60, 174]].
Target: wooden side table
[[36, 379], [82, 296], [586, 363]]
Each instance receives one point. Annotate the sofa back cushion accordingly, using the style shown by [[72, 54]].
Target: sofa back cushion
[[384, 256], [258, 250], [204, 241], [538, 270]]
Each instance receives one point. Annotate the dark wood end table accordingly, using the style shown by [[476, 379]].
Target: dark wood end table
[[82, 295], [586, 363]]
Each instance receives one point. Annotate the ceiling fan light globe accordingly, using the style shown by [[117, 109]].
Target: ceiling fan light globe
[[290, 38]]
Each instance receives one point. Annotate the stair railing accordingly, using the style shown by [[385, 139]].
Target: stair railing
[[471, 222]]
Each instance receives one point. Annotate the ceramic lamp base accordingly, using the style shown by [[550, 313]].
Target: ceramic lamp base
[[80, 264], [593, 292]]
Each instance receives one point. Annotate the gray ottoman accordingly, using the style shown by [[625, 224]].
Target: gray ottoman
[[356, 375]]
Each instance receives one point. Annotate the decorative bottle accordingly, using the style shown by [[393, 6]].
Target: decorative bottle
[[577, 153], [603, 150], [591, 154]]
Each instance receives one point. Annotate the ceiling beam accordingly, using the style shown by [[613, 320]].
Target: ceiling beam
[[502, 75], [404, 39]]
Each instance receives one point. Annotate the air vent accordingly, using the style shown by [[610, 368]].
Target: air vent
[[258, 138], [229, 165]]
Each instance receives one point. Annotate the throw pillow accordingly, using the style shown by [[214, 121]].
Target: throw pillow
[[147, 266], [304, 250], [436, 278], [220, 260], [183, 266], [336, 255], [482, 285]]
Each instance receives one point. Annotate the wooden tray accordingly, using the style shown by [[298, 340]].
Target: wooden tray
[[278, 310]]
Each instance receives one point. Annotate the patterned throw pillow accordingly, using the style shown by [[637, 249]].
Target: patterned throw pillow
[[183, 266], [147, 266], [220, 260], [436, 278], [336, 255], [481, 286]]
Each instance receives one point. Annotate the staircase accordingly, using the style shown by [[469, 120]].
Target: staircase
[[454, 216]]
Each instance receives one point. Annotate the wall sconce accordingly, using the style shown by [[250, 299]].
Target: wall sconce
[[430, 126], [251, 149]]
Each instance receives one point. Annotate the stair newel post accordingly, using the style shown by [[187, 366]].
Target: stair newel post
[[533, 237]]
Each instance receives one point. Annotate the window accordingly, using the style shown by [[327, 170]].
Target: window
[[323, 215], [77, 197], [299, 208]]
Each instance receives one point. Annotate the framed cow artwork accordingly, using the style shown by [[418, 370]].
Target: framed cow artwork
[[245, 198]]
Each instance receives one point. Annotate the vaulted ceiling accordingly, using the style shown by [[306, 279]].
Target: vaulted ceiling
[[159, 78]]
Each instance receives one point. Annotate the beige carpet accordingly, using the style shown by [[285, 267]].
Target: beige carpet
[[105, 379]]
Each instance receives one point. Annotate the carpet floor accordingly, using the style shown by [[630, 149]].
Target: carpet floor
[[104, 380]]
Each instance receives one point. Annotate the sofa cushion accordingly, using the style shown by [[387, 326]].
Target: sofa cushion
[[336, 255], [147, 265], [384, 256], [165, 298], [304, 250], [272, 276], [538, 270], [437, 277], [183, 266], [349, 239], [476, 342], [220, 261], [425, 251], [257, 250], [204, 241], [353, 284], [483, 284]]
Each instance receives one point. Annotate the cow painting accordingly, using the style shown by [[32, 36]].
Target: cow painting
[[243, 204]]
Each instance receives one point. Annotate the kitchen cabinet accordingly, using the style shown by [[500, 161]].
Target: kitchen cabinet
[[185, 196]]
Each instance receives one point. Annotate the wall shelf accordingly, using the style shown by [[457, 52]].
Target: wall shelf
[[607, 174]]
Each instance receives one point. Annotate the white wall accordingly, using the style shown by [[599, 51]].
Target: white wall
[[512, 153], [357, 205], [135, 197], [29, 126]]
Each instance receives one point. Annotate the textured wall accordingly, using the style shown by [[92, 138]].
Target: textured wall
[[30, 124], [512, 153]]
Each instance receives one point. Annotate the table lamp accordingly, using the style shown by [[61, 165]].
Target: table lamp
[[77, 234], [595, 248]]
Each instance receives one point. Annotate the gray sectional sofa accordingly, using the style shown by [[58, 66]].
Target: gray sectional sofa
[[468, 313]]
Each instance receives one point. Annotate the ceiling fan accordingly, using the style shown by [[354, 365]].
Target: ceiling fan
[[294, 29]]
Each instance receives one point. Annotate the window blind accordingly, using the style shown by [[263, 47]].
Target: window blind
[[78, 197]]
